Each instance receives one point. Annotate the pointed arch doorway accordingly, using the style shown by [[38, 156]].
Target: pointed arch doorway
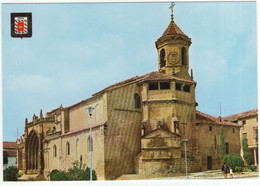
[[33, 153]]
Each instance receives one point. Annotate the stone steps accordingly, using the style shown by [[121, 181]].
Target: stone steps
[[32, 177]]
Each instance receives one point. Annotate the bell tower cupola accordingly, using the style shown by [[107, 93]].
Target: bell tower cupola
[[173, 51]]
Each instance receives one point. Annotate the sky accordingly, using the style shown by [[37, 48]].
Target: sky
[[77, 50]]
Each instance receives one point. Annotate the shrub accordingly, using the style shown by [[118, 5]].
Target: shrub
[[10, 173], [235, 160], [79, 172], [252, 167], [57, 175], [76, 172], [239, 169]]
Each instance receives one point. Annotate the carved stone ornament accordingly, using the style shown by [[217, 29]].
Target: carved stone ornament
[[173, 59]]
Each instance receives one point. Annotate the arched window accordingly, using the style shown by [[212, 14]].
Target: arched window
[[68, 148], [162, 58], [184, 56], [137, 101], [54, 151]]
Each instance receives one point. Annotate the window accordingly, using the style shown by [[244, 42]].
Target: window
[[210, 128], [68, 148], [244, 135], [186, 88], [244, 122], [5, 160], [234, 130], [137, 101], [153, 86], [183, 56], [162, 58], [54, 151], [164, 85], [177, 86], [256, 135]]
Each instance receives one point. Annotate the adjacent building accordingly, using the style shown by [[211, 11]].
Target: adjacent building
[[9, 154], [249, 130]]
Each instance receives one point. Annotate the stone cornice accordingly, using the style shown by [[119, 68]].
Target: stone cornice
[[173, 100]]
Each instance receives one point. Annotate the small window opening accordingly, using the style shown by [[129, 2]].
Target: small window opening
[[186, 88], [137, 101], [68, 148], [164, 85], [153, 86], [5, 160], [55, 151], [184, 56], [177, 86], [244, 122], [210, 128], [234, 130], [162, 58]]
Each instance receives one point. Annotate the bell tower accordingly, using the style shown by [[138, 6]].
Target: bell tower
[[173, 51]]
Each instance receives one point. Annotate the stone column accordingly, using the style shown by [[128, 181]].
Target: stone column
[[39, 156], [24, 159], [255, 158]]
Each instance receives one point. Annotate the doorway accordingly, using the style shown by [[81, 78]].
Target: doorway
[[209, 162]]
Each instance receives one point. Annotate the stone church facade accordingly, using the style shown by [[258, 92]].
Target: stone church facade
[[137, 125]]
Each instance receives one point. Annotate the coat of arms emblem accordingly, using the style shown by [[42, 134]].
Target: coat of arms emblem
[[21, 25]]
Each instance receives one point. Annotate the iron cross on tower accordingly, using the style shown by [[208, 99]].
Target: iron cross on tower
[[171, 7]]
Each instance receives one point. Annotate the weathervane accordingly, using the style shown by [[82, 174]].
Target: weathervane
[[171, 7]]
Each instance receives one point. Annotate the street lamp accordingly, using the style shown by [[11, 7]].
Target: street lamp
[[90, 111], [185, 141]]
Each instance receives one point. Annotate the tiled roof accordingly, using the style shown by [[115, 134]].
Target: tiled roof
[[158, 76], [10, 153], [208, 119], [10, 145], [242, 115], [173, 29], [152, 76]]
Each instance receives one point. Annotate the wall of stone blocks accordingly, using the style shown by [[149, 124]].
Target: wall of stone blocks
[[123, 139], [79, 146], [209, 143]]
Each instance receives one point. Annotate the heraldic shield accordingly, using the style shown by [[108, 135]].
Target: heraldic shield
[[21, 25]]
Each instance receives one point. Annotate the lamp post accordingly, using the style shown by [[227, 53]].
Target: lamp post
[[185, 141], [90, 110]]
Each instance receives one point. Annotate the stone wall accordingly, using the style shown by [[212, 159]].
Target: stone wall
[[123, 139], [209, 143]]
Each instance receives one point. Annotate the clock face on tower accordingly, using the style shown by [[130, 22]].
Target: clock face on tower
[[173, 59]]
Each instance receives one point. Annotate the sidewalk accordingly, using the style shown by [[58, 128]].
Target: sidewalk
[[215, 174]]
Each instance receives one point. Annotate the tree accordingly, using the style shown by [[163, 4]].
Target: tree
[[246, 153], [10, 173], [222, 144]]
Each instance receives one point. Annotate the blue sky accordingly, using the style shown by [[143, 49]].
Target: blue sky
[[79, 49]]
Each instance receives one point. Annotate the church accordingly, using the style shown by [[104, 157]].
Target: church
[[139, 126]]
